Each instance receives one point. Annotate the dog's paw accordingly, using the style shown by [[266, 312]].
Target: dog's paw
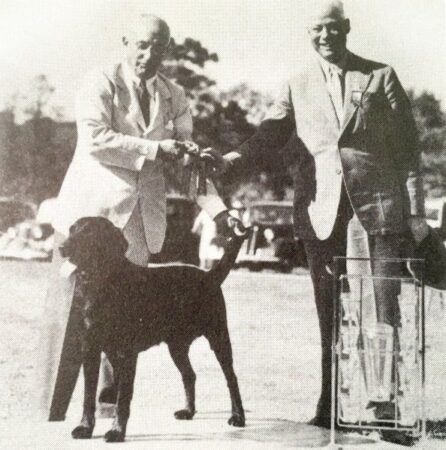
[[184, 414], [82, 432], [237, 420], [114, 436]]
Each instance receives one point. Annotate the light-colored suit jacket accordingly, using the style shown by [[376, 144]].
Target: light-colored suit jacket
[[373, 151], [115, 164]]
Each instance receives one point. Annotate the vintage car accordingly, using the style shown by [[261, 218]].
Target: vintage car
[[272, 242], [12, 212], [436, 215], [31, 239]]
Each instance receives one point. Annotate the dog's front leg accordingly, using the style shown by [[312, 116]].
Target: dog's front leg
[[125, 369], [91, 362]]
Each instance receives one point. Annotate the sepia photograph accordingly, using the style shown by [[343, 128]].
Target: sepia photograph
[[223, 224]]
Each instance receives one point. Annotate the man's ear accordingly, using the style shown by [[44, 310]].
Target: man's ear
[[169, 46], [347, 27]]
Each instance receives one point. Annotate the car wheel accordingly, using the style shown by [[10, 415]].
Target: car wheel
[[286, 267], [255, 267]]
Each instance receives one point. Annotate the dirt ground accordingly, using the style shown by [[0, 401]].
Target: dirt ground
[[273, 326]]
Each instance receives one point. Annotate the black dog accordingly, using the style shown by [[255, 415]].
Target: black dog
[[128, 308]]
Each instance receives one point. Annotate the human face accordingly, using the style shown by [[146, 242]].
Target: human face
[[328, 35], [145, 52]]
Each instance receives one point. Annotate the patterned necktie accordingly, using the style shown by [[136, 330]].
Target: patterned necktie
[[144, 101], [336, 89]]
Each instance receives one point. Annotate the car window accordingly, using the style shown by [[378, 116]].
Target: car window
[[270, 214], [432, 214]]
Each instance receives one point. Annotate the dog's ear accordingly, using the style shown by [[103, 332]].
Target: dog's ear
[[122, 243], [117, 242]]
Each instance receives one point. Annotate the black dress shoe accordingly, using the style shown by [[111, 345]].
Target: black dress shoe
[[399, 437], [320, 421], [387, 411]]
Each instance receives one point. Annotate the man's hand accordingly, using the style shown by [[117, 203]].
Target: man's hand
[[216, 160], [228, 225], [171, 150], [419, 228]]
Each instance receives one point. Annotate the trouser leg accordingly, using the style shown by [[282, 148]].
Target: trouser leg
[[379, 305], [59, 354], [388, 288], [320, 254], [323, 293]]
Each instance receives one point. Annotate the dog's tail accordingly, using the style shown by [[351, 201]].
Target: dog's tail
[[221, 270]]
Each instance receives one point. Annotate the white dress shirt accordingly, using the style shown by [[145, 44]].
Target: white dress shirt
[[150, 85], [335, 80]]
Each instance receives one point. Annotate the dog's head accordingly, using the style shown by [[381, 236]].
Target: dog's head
[[93, 242]]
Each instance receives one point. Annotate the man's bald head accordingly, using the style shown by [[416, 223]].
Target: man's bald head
[[326, 8], [328, 29], [149, 25], [147, 42]]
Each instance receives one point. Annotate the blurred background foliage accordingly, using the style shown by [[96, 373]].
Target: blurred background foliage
[[37, 144]]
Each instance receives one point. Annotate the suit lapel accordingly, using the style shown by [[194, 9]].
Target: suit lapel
[[129, 98], [157, 119], [356, 81], [162, 96]]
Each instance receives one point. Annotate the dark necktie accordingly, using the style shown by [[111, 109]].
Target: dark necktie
[[144, 101]]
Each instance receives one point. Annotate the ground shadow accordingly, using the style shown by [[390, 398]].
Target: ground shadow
[[275, 431]]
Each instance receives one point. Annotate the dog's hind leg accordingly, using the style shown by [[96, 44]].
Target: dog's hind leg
[[180, 355], [91, 361], [124, 369], [221, 345]]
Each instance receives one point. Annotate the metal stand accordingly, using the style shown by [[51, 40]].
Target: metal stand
[[378, 367]]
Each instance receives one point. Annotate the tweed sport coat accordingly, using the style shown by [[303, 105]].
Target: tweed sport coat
[[373, 152], [115, 163]]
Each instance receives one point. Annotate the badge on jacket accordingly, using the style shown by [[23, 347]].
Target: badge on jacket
[[356, 98]]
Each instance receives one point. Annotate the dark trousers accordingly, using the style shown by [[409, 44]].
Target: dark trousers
[[320, 254]]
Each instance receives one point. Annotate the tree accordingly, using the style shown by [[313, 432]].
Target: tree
[[216, 123], [431, 124], [35, 101], [222, 125], [222, 120], [256, 104], [8, 134], [36, 151]]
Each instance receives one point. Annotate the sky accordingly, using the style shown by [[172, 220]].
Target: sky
[[260, 42]]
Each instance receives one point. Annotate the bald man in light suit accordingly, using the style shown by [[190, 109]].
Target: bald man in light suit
[[131, 121], [357, 170]]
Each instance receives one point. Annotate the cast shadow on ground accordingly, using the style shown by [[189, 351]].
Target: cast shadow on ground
[[274, 431]]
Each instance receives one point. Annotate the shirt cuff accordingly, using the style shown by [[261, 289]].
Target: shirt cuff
[[414, 186], [151, 150], [148, 152]]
